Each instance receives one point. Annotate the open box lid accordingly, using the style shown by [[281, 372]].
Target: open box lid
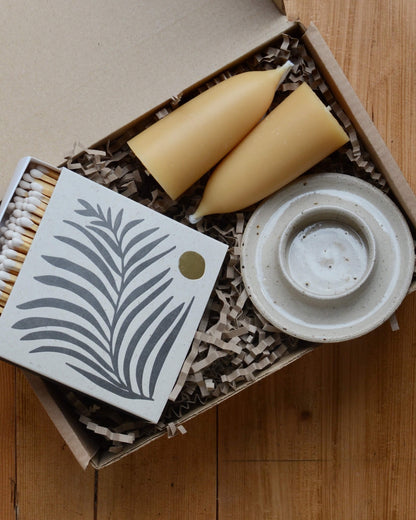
[[76, 72]]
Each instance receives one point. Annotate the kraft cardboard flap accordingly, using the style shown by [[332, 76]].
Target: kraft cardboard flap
[[76, 72]]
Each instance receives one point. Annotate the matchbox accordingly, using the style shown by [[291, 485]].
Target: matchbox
[[108, 295]]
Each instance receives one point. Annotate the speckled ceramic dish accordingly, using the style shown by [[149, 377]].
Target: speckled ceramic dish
[[327, 258]]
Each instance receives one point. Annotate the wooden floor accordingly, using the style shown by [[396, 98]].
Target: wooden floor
[[332, 436]]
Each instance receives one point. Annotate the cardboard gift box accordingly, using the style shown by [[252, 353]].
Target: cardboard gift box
[[127, 93]]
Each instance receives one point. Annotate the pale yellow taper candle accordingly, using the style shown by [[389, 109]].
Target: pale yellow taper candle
[[178, 149], [295, 136]]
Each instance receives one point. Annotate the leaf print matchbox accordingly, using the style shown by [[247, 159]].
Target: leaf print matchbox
[[109, 297]]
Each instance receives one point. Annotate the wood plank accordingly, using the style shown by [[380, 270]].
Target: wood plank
[[8, 441], [328, 437], [170, 478], [374, 43], [50, 483]]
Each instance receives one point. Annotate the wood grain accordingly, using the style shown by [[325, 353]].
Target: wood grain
[[330, 437], [8, 441], [50, 483], [173, 478]]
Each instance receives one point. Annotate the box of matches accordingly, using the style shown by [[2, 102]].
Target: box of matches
[[99, 292]]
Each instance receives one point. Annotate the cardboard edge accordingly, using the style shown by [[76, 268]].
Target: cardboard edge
[[280, 4], [351, 104], [100, 462], [81, 446]]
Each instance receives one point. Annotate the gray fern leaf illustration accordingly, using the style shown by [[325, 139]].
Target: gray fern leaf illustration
[[119, 321]]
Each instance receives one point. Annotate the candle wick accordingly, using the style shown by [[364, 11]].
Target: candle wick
[[193, 219]]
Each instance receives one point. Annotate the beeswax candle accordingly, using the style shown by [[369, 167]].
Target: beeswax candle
[[295, 136], [180, 148]]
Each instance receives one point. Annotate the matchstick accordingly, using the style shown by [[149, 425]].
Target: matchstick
[[36, 202], [42, 187], [19, 213], [22, 192], [13, 255], [14, 228], [22, 237], [5, 287], [37, 174], [7, 277], [20, 245], [31, 208], [48, 171], [27, 223], [3, 298], [11, 265]]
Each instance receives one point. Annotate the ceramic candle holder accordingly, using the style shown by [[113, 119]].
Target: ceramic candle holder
[[327, 258], [327, 253]]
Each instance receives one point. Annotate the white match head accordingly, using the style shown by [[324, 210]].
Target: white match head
[[47, 171], [27, 177], [37, 187], [10, 253], [31, 208], [25, 222], [8, 234], [21, 192], [18, 213], [45, 187], [19, 230], [36, 174], [33, 193], [7, 277], [15, 242], [10, 264], [25, 185], [43, 169], [35, 201]]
